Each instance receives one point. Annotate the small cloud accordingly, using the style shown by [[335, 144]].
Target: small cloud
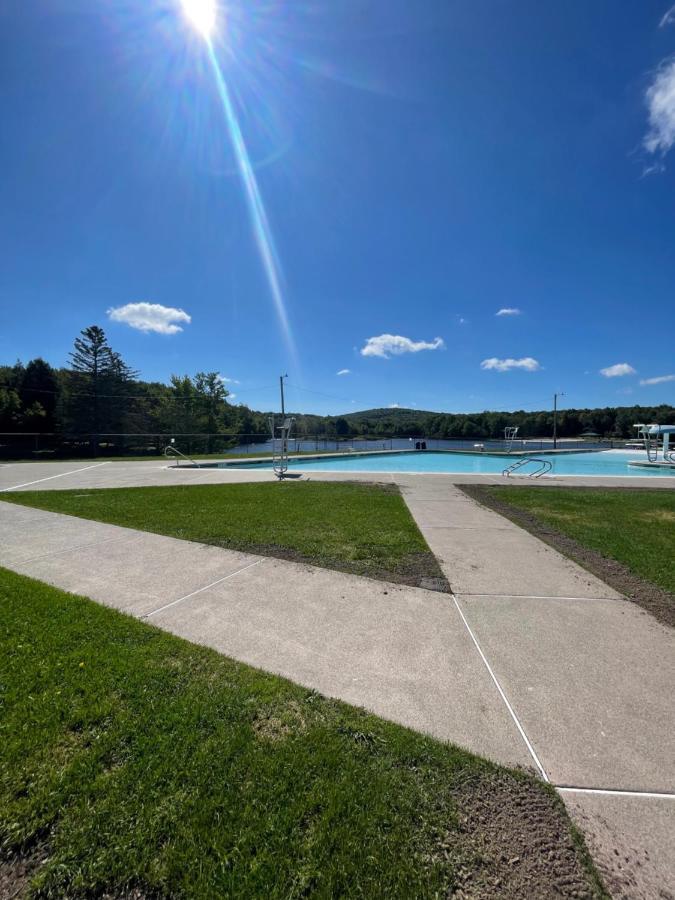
[[668, 18], [661, 379], [229, 380], [625, 392], [617, 371], [657, 168], [505, 365], [508, 311], [231, 396], [394, 406], [386, 345], [660, 100], [462, 321], [344, 372], [150, 317]]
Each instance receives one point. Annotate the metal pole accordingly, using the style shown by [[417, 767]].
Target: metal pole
[[555, 418], [281, 385]]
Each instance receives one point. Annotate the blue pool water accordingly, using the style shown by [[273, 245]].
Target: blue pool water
[[606, 462]]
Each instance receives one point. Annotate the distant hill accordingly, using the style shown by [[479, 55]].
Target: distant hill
[[389, 412], [605, 421]]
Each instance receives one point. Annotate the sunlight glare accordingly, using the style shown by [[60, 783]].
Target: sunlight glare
[[201, 14]]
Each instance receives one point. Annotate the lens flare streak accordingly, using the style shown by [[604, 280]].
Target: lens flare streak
[[259, 220]]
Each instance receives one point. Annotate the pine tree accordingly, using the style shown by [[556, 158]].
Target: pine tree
[[100, 384]]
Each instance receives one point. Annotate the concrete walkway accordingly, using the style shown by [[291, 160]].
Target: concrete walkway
[[588, 674], [532, 661]]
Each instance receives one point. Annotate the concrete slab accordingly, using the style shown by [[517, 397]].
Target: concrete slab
[[402, 653], [482, 552], [509, 561], [591, 681], [31, 476], [137, 573], [632, 842], [26, 533], [452, 513]]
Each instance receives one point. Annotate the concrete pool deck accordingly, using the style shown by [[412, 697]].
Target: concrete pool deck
[[532, 661], [121, 473]]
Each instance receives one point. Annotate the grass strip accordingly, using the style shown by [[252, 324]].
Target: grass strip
[[133, 763], [635, 527], [364, 529]]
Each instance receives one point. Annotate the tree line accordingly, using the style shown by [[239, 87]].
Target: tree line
[[98, 395]]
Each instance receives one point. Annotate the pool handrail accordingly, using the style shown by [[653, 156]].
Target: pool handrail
[[177, 454], [544, 466]]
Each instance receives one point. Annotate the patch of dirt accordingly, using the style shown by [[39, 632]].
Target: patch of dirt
[[627, 870], [659, 515], [415, 570], [522, 842], [17, 870], [653, 599], [275, 725]]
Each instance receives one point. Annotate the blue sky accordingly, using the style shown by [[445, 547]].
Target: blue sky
[[422, 166]]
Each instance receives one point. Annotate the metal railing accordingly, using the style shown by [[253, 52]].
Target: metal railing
[[174, 452], [543, 467]]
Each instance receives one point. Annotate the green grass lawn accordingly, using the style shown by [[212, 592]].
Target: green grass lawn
[[635, 527], [360, 528], [132, 759]]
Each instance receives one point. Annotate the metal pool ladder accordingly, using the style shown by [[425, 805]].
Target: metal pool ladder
[[280, 437], [543, 466], [174, 453]]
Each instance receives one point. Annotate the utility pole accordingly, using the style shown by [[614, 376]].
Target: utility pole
[[283, 405], [555, 417]]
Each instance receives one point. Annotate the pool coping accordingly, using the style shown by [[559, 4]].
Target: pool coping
[[265, 463], [351, 454]]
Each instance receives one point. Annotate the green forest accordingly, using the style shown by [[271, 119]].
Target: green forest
[[99, 401]]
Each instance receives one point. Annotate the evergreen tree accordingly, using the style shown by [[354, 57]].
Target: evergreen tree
[[38, 389], [99, 384]]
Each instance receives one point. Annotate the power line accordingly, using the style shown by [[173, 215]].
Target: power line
[[167, 387]]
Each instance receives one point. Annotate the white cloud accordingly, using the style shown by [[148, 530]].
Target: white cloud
[[505, 365], [618, 370], [660, 99], [150, 317], [657, 168], [386, 345], [231, 396], [661, 379], [668, 18], [344, 372], [229, 380], [508, 311], [394, 406]]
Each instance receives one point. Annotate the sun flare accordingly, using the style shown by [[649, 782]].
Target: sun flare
[[201, 14]]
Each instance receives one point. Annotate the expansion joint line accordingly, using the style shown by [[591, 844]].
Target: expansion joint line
[[512, 713], [201, 589], [15, 487], [615, 792]]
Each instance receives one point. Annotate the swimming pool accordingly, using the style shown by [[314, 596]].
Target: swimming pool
[[604, 462]]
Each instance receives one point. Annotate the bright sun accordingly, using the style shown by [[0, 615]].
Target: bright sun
[[201, 14]]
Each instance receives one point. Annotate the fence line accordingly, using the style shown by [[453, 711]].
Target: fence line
[[35, 445]]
